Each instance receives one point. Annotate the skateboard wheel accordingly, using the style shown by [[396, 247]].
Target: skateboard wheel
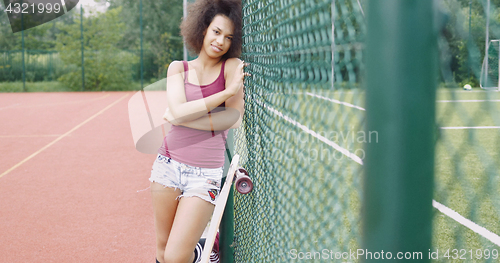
[[243, 184], [242, 170]]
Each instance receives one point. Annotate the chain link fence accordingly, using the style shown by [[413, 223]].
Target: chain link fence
[[302, 136], [466, 197]]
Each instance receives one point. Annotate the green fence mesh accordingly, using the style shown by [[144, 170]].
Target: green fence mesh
[[467, 186], [40, 65], [302, 135]]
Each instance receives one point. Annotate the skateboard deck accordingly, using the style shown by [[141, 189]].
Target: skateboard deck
[[243, 185]]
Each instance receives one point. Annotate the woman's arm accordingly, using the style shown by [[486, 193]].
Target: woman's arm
[[183, 111], [231, 116], [237, 101], [218, 121]]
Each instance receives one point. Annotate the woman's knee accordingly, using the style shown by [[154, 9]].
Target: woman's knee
[[161, 241]]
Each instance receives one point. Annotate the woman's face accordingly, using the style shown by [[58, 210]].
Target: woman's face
[[218, 36]]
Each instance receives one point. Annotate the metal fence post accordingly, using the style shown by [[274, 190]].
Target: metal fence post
[[226, 229], [24, 50], [401, 68], [82, 40]]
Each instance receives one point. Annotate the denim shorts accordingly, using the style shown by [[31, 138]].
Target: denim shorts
[[204, 183]]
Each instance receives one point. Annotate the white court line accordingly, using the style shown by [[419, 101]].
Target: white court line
[[467, 223], [468, 101], [10, 106], [62, 136], [472, 127], [314, 134], [363, 109], [65, 102], [29, 136], [442, 208], [335, 101], [55, 103], [461, 90]]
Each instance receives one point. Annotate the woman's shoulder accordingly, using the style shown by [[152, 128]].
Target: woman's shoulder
[[231, 63], [175, 67]]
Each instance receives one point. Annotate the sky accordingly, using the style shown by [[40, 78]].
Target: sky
[[93, 5]]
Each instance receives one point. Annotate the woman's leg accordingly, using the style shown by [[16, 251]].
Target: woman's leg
[[164, 207], [191, 218]]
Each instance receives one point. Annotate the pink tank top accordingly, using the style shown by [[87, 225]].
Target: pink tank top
[[196, 147]]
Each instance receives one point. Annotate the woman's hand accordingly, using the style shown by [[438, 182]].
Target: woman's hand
[[169, 117], [238, 79]]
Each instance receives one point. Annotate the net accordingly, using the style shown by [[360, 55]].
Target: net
[[490, 79], [302, 135]]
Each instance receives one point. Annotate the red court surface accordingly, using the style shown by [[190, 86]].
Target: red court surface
[[73, 188]]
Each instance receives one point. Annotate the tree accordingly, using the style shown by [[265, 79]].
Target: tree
[[106, 66], [465, 55], [42, 37], [161, 33]]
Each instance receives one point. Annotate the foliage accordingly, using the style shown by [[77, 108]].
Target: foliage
[[161, 33], [106, 66], [464, 49], [42, 37], [161, 38], [166, 54]]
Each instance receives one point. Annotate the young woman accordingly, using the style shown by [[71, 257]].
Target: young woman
[[205, 99]]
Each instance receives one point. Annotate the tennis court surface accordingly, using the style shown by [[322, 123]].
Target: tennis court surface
[[73, 188]]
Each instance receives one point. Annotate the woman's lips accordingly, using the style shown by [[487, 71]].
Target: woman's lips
[[216, 49]]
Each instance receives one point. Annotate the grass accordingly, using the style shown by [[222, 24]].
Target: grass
[[51, 86], [466, 175]]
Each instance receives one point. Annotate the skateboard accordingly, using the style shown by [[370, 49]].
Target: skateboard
[[243, 185]]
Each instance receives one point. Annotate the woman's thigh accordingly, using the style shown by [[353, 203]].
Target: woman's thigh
[[191, 218], [164, 207]]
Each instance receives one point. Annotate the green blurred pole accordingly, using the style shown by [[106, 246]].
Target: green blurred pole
[[185, 3], [81, 38], [184, 15], [400, 107], [487, 40], [469, 42], [142, 61], [226, 228], [22, 42]]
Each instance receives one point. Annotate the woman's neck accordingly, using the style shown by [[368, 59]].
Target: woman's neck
[[203, 61]]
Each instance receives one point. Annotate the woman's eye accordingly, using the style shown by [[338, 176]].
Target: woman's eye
[[216, 32]]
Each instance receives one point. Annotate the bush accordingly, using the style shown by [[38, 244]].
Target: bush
[[105, 66]]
